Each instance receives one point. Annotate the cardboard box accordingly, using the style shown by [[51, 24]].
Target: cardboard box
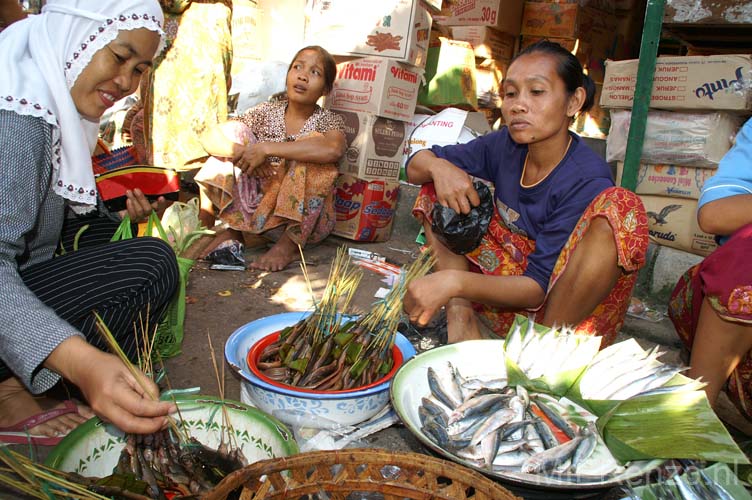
[[364, 210], [376, 85], [587, 33], [434, 5], [394, 29], [488, 43], [629, 24], [504, 15], [690, 139], [566, 20], [675, 181], [672, 222], [374, 146], [719, 82], [450, 75]]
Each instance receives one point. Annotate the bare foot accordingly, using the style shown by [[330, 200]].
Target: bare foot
[[461, 321], [221, 237], [277, 257], [17, 404]]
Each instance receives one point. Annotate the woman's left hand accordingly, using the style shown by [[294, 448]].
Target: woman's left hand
[[138, 206]]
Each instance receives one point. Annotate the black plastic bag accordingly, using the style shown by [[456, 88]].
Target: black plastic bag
[[228, 256], [462, 233]]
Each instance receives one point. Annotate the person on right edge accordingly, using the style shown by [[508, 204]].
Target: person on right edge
[[564, 244], [711, 305]]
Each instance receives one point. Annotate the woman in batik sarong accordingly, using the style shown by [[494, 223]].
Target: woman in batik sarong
[[711, 306], [290, 167], [564, 244]]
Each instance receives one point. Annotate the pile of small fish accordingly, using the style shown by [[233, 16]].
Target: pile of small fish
[[625, 370], [497, 427], [178, 470]]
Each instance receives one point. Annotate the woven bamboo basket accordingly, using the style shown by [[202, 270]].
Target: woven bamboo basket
[[355, 473]]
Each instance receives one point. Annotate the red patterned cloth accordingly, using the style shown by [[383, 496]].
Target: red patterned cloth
[[725, 278], [504, 253]]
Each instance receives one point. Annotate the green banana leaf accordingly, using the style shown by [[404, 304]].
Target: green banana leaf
[[678, 425], [544, 342]]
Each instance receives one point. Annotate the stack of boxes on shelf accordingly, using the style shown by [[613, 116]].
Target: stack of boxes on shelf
[[471, 47], [385, 46], [588, 29], [697, 105], [593, 30]]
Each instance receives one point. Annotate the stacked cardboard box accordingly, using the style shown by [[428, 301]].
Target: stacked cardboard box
[[493, 51], [385, 47], [492, 29], [589, 31], [705, 100]]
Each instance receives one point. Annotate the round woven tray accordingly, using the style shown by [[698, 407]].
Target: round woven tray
[[345, 473]]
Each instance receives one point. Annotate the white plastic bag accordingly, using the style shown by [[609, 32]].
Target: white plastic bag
[[182, 225]]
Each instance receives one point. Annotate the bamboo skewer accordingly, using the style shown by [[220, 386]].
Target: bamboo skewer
[[311, 348]]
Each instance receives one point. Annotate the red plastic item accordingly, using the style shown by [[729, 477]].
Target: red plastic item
[[256, 349]]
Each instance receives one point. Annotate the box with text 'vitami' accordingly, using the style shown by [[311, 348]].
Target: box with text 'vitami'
[[376, 85]]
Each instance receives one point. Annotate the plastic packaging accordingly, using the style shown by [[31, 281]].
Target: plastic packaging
[[462, 233], [228, 256]]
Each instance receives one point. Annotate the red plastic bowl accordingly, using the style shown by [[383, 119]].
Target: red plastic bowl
[[256, 349]]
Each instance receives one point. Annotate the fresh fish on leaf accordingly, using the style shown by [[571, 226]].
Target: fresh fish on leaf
[[586, 447]]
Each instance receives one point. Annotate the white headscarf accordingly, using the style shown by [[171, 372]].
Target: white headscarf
[[40, 59]]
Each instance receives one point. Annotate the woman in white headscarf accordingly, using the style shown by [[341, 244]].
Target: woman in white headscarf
[[61, 70]]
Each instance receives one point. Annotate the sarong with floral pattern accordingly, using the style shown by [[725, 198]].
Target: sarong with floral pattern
[[504, 253], [300, 197], [724, 278]]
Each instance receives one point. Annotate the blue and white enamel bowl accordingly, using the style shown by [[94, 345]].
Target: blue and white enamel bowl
[[297, 408]]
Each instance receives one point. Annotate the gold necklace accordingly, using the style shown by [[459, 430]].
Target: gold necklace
[[527, 156]]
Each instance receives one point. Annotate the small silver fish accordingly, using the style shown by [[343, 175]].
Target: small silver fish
[[443, 390], [436, 432], [494, 422], [480, 404], [551, 458], [489, 446], [586, 447], [512, 459]]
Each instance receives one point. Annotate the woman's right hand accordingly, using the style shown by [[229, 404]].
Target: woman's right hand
[[110, 389], [454, 187], [250, 157]]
